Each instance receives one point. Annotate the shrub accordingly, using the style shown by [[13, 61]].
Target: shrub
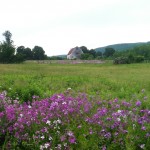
[[139, 59], [121, 60], [128, 60]]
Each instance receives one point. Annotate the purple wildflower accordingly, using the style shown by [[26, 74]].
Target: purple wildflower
[[138, 103], [143, 128], [72, 140]]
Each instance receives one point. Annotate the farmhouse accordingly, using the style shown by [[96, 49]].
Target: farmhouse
[[75, 53]]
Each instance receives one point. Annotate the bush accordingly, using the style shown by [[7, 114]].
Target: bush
[[121, 60], [18, 58], [128, 60], [139, 59]]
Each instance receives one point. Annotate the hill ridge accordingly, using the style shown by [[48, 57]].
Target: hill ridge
[[121, 46]]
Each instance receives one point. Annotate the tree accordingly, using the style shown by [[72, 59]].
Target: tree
[[93, 53], [38, 53], [99, 54], [8, 36], [55, 58], [131, 58], [20, 49], [26, 52], [84, 49], [18, 58], [86, 56], [109, 52], [7, 49], [139, 59], [6, 53], [89, 54]]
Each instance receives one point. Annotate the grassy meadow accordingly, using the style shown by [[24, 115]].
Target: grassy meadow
[[74, 106], [107, 80]]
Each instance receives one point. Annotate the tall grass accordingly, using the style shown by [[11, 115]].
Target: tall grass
[[123, 81]]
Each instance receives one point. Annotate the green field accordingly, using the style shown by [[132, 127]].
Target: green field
[[74, 106], [108, 80]]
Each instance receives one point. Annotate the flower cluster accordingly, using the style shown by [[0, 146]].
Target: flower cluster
[[73, 61], [64, 122]]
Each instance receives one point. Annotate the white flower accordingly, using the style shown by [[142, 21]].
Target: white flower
[[48, 122], [21, 115], [124, 116], [50, 138], [143, 90], [42, 137], [142, 146], [15, 101], [70, 133], [59, 121], [118, 119], [102, 130], [70, 103], [29, 106], [81, 111], [55, 122], [41, 147], [59, 146], [64, 103], [119, 111], [130, 112], [46, 145], [59, 96], [69, 89], [134, 126]]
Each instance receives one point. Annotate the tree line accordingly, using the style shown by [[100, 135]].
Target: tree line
[[10, 54], [92, 54], [137, 54]]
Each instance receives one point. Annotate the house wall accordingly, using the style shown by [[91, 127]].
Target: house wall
[[75, 53]]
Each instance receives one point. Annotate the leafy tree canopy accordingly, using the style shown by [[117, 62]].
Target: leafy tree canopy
[[8, 36], [109, 52], [7, 50], [38, 53]]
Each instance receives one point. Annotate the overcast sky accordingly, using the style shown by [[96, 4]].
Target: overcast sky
[[59, 25]]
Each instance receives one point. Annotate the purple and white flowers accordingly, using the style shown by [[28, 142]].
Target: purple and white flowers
[[64, 121]]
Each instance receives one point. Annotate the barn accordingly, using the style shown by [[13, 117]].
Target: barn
[[75, 53]]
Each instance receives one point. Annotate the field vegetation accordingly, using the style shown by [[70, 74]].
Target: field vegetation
[[74, 106], [110, 81]]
